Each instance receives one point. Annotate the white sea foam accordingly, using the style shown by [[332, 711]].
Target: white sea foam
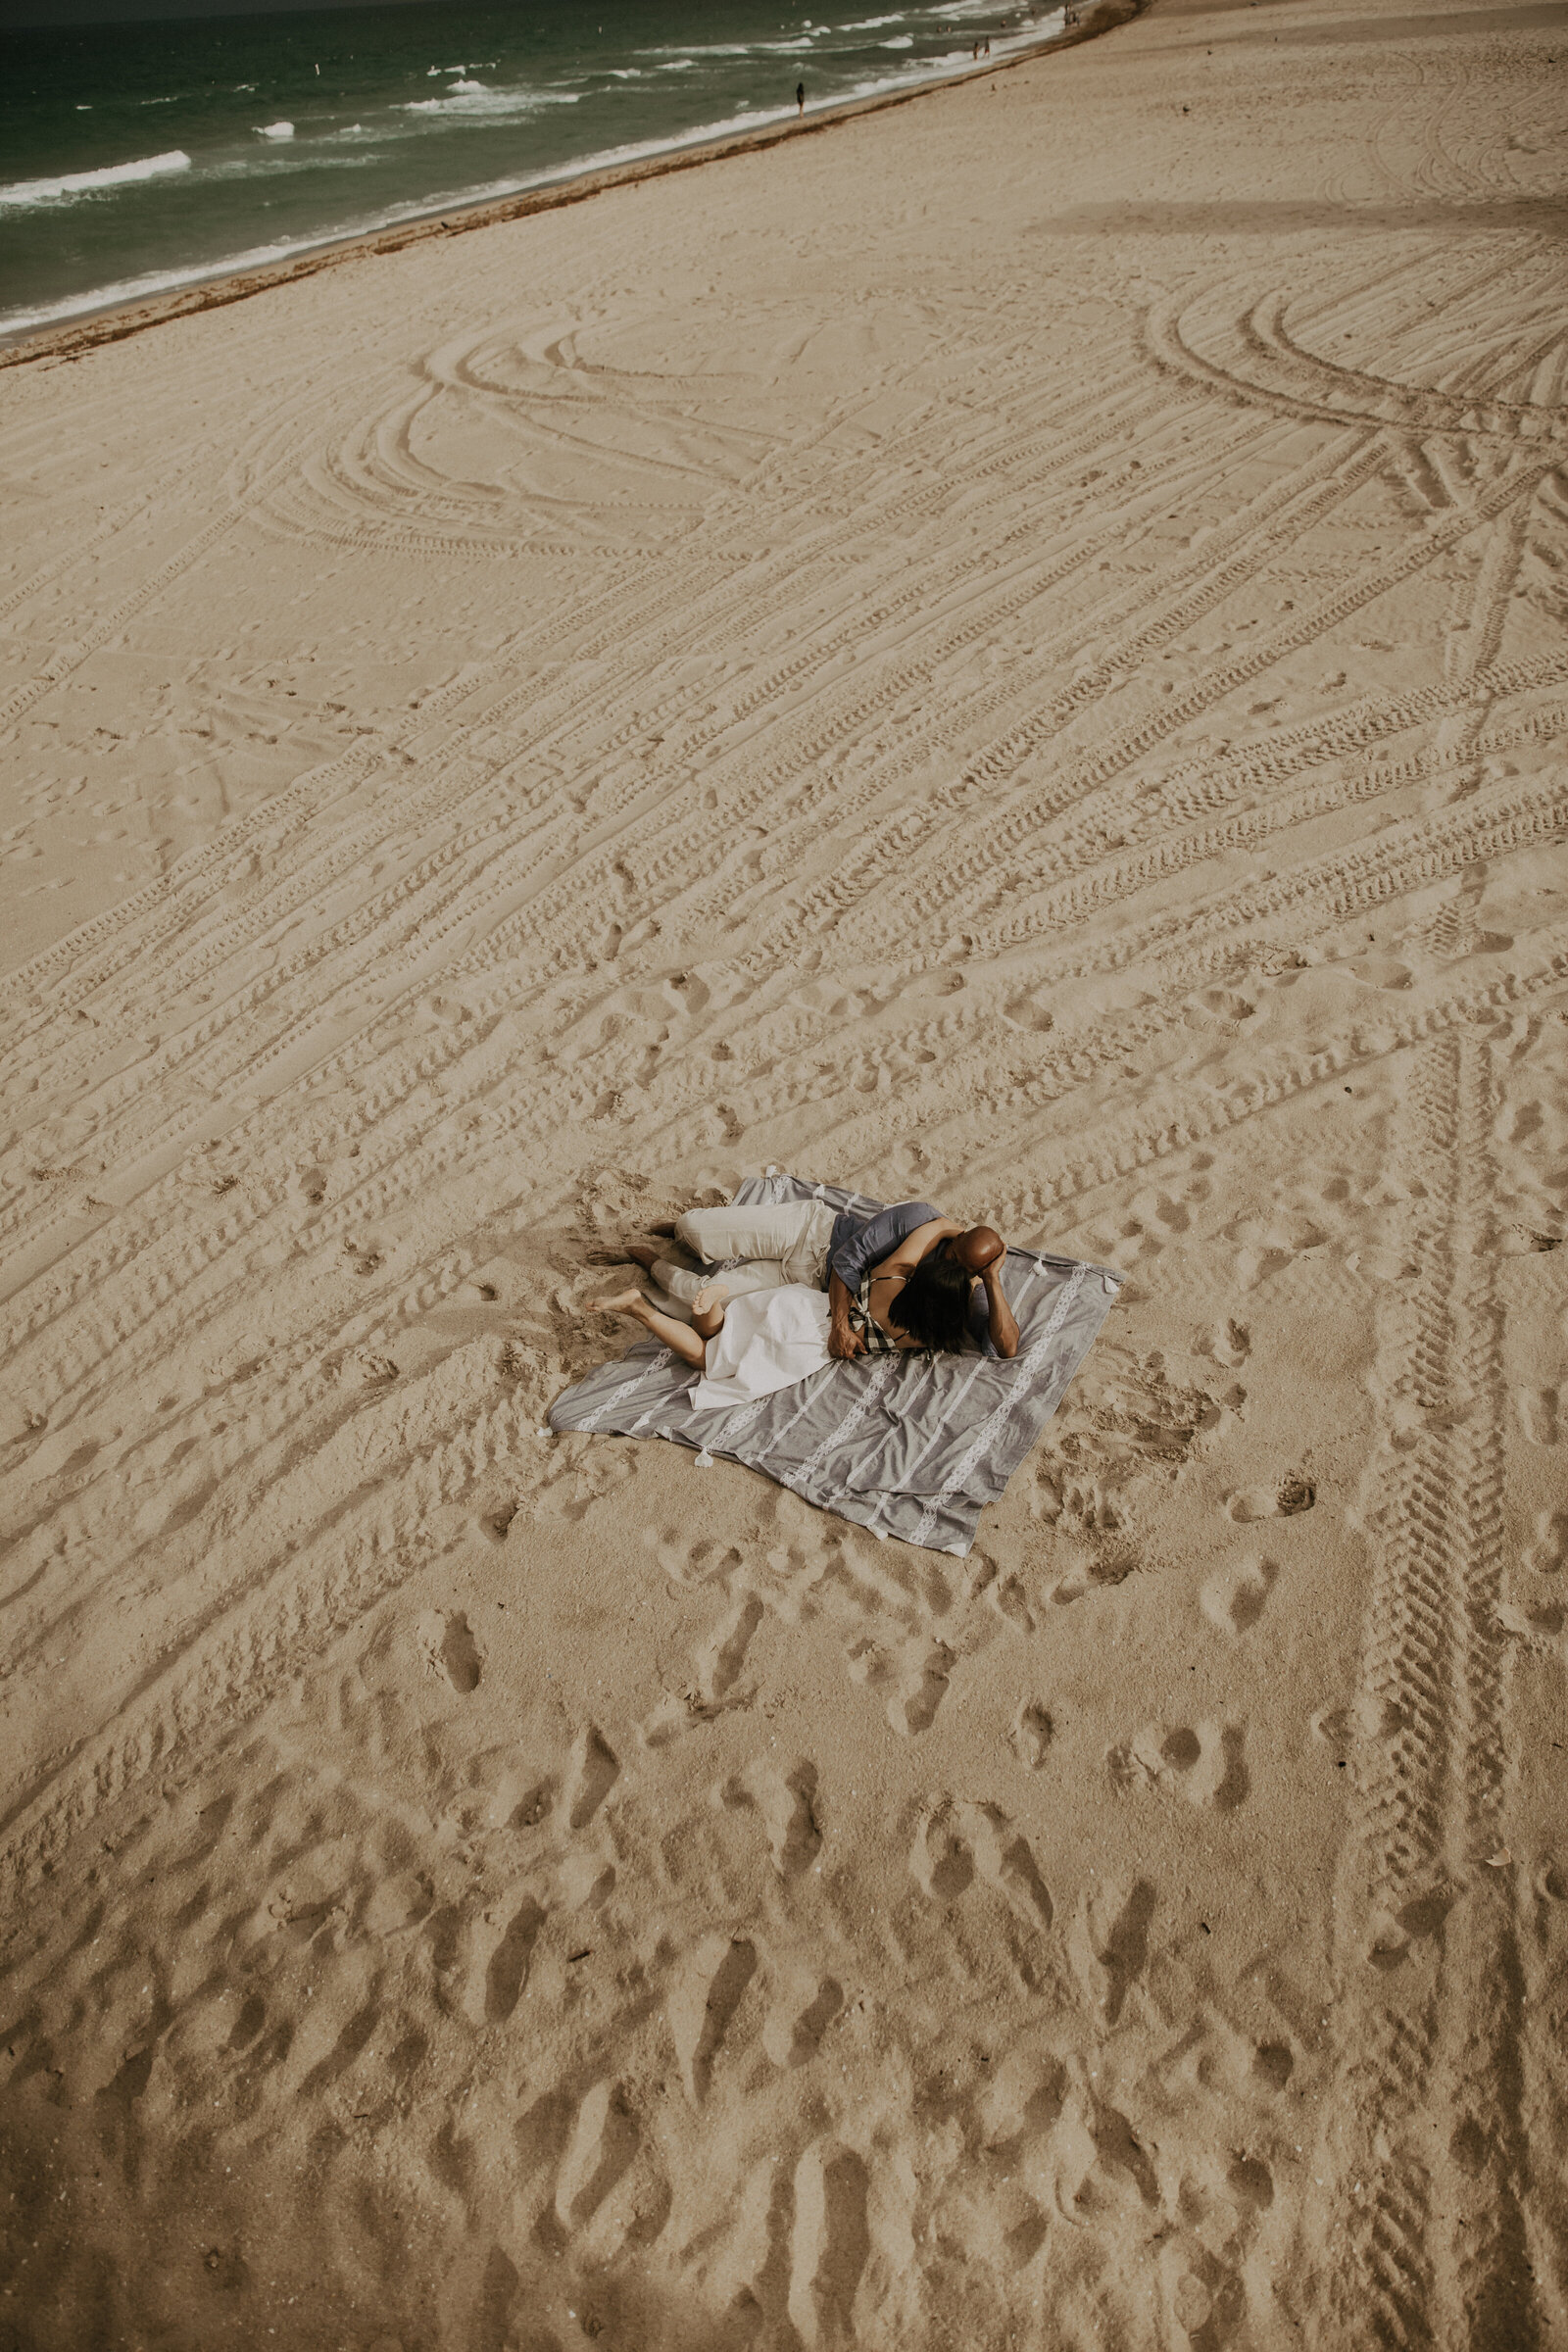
[[470, 100], [138, 289], [274, 130], [955, 66], [88, 184]]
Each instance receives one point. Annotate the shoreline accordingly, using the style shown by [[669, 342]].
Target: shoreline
[[116, 321]]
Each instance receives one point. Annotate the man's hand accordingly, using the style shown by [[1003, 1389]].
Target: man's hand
[[843, 1343]]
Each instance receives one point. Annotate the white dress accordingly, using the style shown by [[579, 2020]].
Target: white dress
[[770, 1339]]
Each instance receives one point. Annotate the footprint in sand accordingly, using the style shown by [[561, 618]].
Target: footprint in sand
[[1022, 2101], [1292, 1494], [595, 1769], [703, 2007], [397, 1903], [952, 1842], [1010, 1601], [1274, 2063], [941, 1860], [830, 2244], [1098, 1575], [1108, 1943], [914, 1707], [917, 1681], [687, 1563], [1033, 1731], [787, 1803], [1549, 1551], [720, 1658], [1540, 1416], [1229, 1344], [1217, 1007], [450, 1649], [506, 1971], [794, 2032], [1234, 1596], [1003, 1856], [602, 2145], [1202, 1762]]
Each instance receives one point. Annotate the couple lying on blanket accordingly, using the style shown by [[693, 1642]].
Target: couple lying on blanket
[[803, 1283]]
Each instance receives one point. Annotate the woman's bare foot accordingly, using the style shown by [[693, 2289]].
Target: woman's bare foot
[[679, 1337], [707, 1309]]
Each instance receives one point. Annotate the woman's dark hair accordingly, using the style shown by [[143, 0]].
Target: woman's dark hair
[[933, 1306]]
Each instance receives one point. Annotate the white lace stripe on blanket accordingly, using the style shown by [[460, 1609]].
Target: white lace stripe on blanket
[[607, 1405], [860, 1405]]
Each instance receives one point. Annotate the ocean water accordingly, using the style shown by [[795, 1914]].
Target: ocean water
[[135, 158]]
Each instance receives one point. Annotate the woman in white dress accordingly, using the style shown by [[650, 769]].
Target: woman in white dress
[[749, 1346]]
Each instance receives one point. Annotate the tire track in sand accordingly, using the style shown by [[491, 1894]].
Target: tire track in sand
[[1429, 1957]]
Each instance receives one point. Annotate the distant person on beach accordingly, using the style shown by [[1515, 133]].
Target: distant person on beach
[[908, 1270], [800, 97]]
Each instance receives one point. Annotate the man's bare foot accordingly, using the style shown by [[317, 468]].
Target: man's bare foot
[[664, 1233], [620, 1305], [607, 1257], [641, 1254]]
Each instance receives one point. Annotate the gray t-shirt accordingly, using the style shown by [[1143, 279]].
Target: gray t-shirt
[[861, 1242]]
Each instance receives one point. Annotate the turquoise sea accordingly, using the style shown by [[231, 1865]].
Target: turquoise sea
[[135, 158]]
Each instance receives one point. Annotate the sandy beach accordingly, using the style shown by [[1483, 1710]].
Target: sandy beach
[[1011, 652]]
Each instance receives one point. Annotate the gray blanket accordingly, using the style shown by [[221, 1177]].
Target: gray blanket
[[910, 1446]]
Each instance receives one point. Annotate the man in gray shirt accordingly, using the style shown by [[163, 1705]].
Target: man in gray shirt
[[888, 1247]]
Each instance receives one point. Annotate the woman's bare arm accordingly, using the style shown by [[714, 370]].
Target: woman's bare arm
[[1003, 1325]]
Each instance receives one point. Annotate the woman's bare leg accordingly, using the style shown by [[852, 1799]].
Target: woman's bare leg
[[707, 1309], [680, 1337]]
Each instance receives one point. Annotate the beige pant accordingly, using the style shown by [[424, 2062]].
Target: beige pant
[[773, 1245]]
